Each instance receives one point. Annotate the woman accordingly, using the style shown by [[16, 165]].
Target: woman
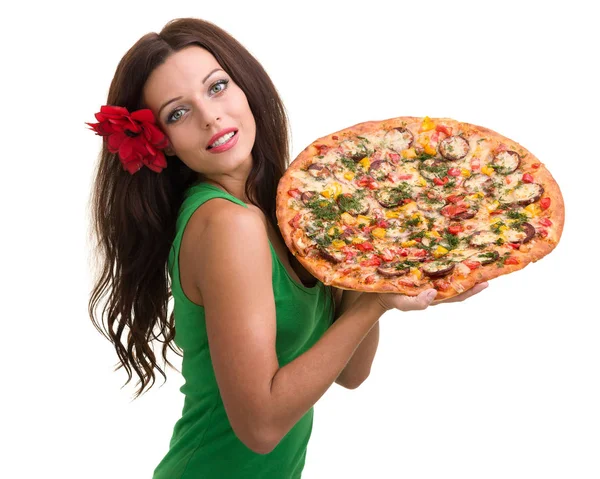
[[256, 330]]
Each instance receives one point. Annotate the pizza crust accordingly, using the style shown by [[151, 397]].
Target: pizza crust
[[300, 245]]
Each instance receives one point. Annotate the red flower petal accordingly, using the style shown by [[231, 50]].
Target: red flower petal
[[115, 141], [143, 115], [126, 148]]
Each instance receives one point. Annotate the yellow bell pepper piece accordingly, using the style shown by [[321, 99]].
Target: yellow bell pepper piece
[[432, 234], [392, 214], [487, 170], [533, 209], [349, 175], [333, 190], [464, 172], [348, 219], [333, 230], [407, 244], [416, 272], [357, 240], [410, 153], [378, 232], [427, 124], [363, 220], [338, 244], [323, 203], [440, 251], [365, 162], [430, 150], [493, 206]]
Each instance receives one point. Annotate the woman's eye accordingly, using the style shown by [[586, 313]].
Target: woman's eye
[[173, 116], [216, 88]]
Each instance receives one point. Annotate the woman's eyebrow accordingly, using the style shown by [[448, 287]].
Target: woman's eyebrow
[[180, 97]]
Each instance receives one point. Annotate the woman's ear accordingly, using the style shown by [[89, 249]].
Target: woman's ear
[[169, 151]]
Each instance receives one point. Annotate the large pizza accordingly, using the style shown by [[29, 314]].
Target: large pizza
[[407, 204]]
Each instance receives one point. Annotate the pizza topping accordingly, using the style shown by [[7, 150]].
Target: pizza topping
[[478, 182], [319, 170], [527, 178], [483, 238], [307, 196], [332, 255], [355, 149], [391, 197], [391, 270], [398, 139], [429, 200], [523, 194], [458, 212], [486, 257], [506, 162], [437, 269], [545, 203], [454, 148], [379, 169], [520, 234], [432, 169], [353, 204]]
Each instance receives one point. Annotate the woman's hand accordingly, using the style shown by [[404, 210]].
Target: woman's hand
[[423, 300]]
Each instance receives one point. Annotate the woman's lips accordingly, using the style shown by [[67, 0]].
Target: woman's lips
[[225, 146]]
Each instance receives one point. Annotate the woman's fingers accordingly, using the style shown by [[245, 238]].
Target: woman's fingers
[[467, 294]]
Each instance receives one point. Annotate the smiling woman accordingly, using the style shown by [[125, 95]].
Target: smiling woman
[[255, 330]]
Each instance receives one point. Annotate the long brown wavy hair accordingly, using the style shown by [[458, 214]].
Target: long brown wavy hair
[[133, 216]]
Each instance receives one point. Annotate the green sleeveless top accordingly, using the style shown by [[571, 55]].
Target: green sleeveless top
[[203, 444]]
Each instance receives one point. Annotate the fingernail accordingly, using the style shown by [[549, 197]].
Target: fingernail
[[432, 294]]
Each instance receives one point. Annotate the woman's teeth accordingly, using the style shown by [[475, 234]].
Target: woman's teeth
[[222, 140]]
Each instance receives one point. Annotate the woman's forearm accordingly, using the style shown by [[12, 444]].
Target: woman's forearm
[[298, 385], [359, 366]]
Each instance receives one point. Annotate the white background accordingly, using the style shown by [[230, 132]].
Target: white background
[[503, 385]]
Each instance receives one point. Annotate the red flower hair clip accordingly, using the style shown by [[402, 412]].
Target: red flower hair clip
[[134, 136]]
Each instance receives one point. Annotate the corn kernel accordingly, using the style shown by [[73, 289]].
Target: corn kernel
[[338, 244], [348, 219], [349, 175], [440, 251], [410, 153], [378, 232], [464, 172]]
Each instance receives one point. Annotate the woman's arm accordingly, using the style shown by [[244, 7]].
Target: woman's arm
[[263, 400], [359, 366]]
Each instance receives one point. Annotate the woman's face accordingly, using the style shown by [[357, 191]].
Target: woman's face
[[193, 100]]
